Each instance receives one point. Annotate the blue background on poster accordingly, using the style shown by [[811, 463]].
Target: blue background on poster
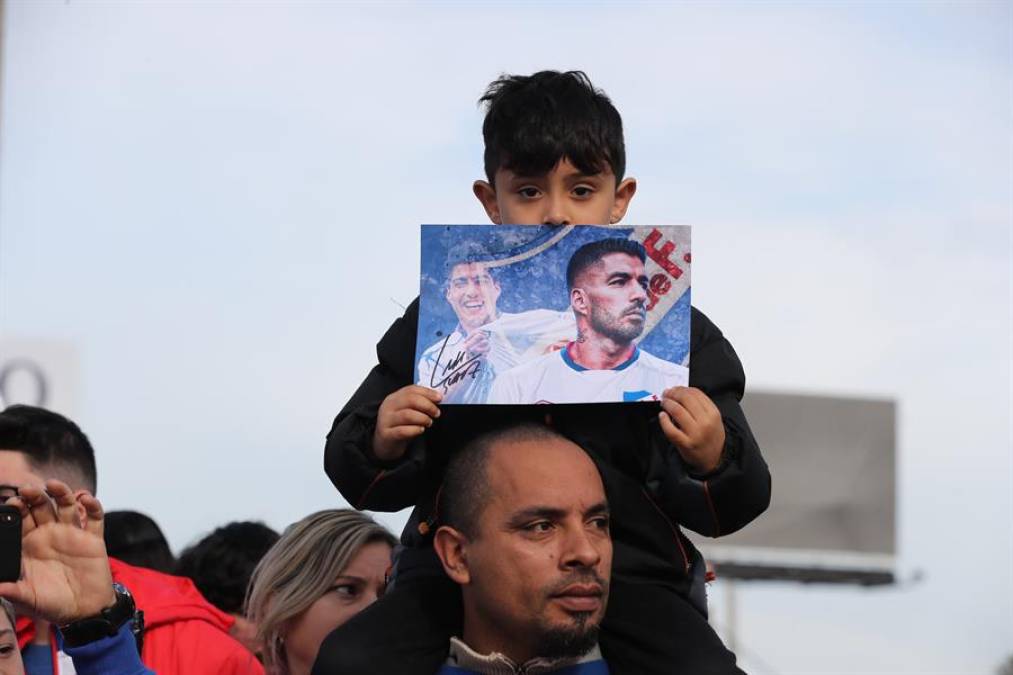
[[537, 282]]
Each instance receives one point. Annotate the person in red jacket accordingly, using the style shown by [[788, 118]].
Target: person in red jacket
[[183, 633]]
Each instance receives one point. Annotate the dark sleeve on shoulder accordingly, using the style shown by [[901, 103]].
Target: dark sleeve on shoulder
[[363, 480], [735, 493]]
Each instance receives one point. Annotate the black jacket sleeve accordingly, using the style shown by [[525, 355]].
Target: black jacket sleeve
[[730, 497], [362, 479]]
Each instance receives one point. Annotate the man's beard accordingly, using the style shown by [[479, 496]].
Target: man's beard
[[613, 327], [568, 642], [577, 638]]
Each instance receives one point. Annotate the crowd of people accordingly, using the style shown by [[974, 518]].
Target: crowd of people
[[544, 538]]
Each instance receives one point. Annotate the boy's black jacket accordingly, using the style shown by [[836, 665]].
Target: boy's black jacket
[[626, 437]]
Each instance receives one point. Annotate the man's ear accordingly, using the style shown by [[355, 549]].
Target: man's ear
[[578, 300], [624, 194], [486, 194], [451, 547]]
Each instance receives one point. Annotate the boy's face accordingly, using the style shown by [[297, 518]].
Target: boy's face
[[563, 196]]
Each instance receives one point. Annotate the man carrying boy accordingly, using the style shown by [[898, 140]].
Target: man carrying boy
[[554, 156]]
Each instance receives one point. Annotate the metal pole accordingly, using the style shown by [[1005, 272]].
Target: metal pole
[[730, 615]]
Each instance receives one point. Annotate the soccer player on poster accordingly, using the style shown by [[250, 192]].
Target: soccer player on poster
[[485, 342], [460, 365], [608, 294]]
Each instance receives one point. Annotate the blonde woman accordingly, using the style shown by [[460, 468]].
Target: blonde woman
[[324, 570]]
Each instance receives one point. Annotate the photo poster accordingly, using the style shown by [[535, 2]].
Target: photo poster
[[498, 323]]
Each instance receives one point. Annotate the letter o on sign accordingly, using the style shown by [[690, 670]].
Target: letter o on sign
[[22, 381]]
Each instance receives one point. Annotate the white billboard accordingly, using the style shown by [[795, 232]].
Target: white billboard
[[832, 515]]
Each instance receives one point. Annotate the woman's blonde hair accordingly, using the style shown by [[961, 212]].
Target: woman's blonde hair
[[8, 609], [300, 568]]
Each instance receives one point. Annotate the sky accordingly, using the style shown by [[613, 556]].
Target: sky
[[215, 206]]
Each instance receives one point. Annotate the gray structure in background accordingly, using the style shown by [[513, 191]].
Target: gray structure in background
[[832, 516]]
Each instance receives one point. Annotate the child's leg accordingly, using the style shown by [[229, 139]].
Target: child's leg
[[407, 632], [652, 630]]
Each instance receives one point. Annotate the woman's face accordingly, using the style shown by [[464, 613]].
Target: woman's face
[[10, 655], [357, 587]]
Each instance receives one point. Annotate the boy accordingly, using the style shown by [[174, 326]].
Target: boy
[[554, 155]]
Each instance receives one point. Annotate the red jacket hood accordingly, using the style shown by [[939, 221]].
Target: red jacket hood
[[165, 598]]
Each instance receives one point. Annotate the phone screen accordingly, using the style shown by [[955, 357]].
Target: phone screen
[[10, 543]]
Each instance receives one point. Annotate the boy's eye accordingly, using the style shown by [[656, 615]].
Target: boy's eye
[[528, 192], [583, 191]]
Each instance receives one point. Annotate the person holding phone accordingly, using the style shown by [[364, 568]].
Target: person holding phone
[[65, 580], [183, 633]]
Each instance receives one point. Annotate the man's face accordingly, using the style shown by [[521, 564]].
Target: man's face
[[539, 564], [15, 473], [612, 294], [472, 292], [563, 196]]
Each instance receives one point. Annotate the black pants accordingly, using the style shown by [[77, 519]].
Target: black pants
[[648, 630]]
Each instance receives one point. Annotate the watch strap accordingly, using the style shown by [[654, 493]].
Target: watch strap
[[102, 625]]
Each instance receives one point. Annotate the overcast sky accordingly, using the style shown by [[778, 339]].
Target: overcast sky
[[216, 206]]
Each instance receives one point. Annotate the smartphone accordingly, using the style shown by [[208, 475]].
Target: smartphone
[[10, 543]]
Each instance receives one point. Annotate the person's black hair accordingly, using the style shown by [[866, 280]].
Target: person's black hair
[[465, 491], [48, 439], [465, 253], [137, 540], [592, 252], [221, 563], [534, 121]]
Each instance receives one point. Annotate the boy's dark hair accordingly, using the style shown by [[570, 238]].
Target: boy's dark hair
[[221, 563], [533, 121], [49, 441], [137, 540], [591, 253], [465, 490]]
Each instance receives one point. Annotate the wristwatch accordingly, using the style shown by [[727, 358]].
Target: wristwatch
[[106, 623]]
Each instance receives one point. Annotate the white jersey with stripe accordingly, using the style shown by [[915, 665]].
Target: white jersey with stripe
[[557, 378]]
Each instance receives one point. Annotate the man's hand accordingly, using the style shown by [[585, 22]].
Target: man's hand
[[64, 566], [477, 343], [692, 423], [403, 415]]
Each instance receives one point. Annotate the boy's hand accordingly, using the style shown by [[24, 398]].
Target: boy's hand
[[692, 422], [403, 415]]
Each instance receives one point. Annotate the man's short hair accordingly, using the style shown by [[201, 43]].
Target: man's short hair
[[468, 253], [465, 491], [221, 563], [51, 443], [591, 253], [534, 121]]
